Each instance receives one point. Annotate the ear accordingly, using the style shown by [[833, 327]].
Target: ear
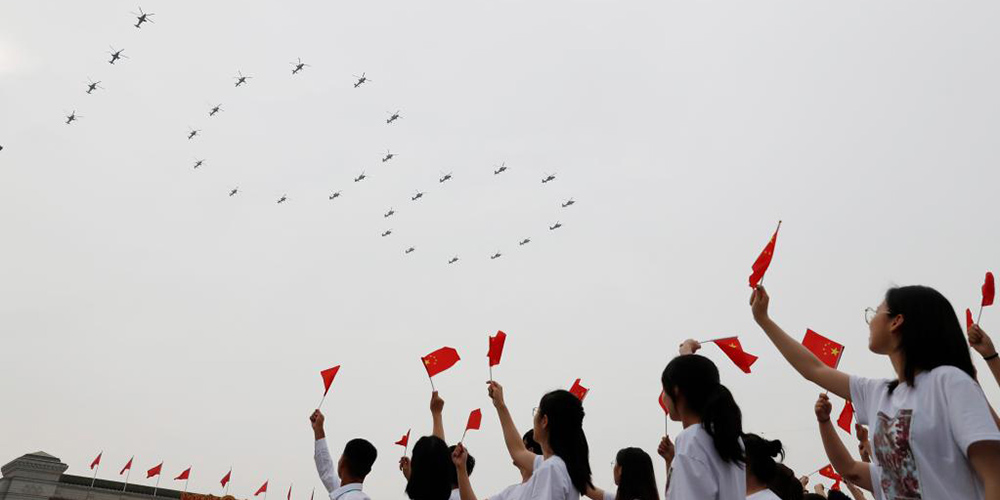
[[896, 323]]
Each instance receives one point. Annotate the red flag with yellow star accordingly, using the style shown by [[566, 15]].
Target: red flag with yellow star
[[440, 360], [826, 350], [763, 260], [731, 346]]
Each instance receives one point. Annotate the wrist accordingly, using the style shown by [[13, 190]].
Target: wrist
[[991, 357], [319, 434], [823, 420]]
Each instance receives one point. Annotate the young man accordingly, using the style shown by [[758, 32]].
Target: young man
[[352, 468]]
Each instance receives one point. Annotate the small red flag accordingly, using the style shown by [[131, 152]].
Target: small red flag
[[968, 319], [732, 347], [405, 440], [989, 290], [826, 350], [846, 416], [496, 348], [155, 471], [225, 479], [663, 403], [328, 375], [475, 419], [128, 466], [830, 473], [836, 486], [97, 461], [578, 390], [262, 489], [763, 260], [289, 497], [184, 475], [440, 360]]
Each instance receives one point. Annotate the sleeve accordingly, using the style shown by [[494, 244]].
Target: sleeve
[[863, 396], [546, 486], [324, 466], [537, 463], [690, 479], [969, 414], [610, 495]]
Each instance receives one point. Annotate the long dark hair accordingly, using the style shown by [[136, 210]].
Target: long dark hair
[[566, 437], [431, 470], [785, 484], [930, 335], [760, 455], [638, 481], [697, 379]]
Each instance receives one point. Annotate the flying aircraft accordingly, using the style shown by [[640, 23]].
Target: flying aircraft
[[335, 195], [197, 163], [568, 203], [234, 191], [502, 169], [92, 86], [299, 66], [116, 55], [409, 250], [387, 233], [453, 260], [361, 80], [240, 80], [192, 132], [495, 256], [394, 117], [417, 196], [445, 177], [215, 110], [142, 17], [72, 117], [282, 199], [556, 226], [524, 242], [548, 178], [360, 177], [388, 156], [389, 213]]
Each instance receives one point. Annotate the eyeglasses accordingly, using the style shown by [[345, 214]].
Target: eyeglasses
[[870, 315], [534, 412]]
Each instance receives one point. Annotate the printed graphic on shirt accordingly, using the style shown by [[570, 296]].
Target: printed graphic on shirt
[[891, 441]]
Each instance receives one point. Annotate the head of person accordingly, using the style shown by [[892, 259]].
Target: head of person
[[760, 455], [634, 475], [837, 495], [919, 324], [784, 484], [431, 470], [530, 443], [356, 461], [470, 463], [813, 496], [558, 426], [692, 391]]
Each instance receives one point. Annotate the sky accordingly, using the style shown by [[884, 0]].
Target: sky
[[146, 312]]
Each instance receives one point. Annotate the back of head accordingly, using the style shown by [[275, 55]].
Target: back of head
[[638, 481], [785, 484], [931, 335], [813, 496], [470, 463], [431, 470], [530, 443], [564, 412], [837, 495], [697, 379], [359, 456], [760, 455]]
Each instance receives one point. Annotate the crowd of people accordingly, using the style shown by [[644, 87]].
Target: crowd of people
[[927, 433]]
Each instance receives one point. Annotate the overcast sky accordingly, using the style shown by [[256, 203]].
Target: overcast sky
[[144, 311]]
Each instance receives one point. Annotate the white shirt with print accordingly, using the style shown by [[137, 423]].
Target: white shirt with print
[[697, 471], [920, 434], [549, 481]]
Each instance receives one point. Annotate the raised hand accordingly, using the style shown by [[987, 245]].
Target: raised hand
[[759, 300], [823, 408]]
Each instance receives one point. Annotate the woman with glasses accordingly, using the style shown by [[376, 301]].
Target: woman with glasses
[[563, 469], [634, 476], [932, 430]]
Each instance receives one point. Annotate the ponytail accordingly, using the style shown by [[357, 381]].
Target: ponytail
[[760, 455], [566, 437], [697, 379]]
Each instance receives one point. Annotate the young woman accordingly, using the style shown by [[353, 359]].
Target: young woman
[[563, 469], [765, 481], [430, 470], [634, 476], [933, 433], [708, 461]]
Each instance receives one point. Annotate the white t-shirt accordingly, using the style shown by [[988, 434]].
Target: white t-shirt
[[697, 471], [920, 435], [763, 495], [549, 481]]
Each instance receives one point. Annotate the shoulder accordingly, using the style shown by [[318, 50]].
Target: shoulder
[[692, 440], [949, 375]]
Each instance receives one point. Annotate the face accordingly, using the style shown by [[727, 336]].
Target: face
[[882, 331], [540, 425], [617, 473]]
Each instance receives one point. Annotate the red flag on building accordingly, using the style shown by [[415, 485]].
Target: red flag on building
[[262, 489], [155, 471], [183, 475], [846, 416], [732, 347], [127, 467], [440, 360], [763, 260], [830, 473], [968, 319], [328, 375], [989, 290], [578, 390], [663, 403], [226, 478], [496, 348], [475, 419], [826, 350], [405, 441], [97, 461]]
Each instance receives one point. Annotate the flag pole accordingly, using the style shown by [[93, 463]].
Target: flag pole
[[429, 377], [321, 401], [980, 315], [463, 435], [491, 366], [94, 479], [226, 492], [157, 484], [127, 474], [186, 483]]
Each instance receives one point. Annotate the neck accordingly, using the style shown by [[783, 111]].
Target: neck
[[689, 420], [753, 486], [546, 450], [344, 481], [897, 364]]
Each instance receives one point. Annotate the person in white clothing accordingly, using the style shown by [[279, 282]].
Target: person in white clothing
[[708, 461], [563, 469], [634, 476], [765, 479], [353, 467], [933, 434]]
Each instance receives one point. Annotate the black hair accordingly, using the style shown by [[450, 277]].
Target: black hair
[[813, 496], [470, 463], [359, 456], [431, 470], [760, 454], [697, 379], [530, 443], [785, 484], [638, 481], [566, 438], [931, 335], [837, 495]]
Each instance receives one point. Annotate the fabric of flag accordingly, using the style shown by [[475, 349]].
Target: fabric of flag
[[155, 471], [475, 420], [97, 461], [578, 390], [184, 476], [968, 319], [405, 440], [128, 466], [846, 416], [989, 290], [734, 350], [662, 401], [328, 375], [496, 347], [226, 478], [830, 473], [826, 350], [763, 260], [262, 489], [440, 360]]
